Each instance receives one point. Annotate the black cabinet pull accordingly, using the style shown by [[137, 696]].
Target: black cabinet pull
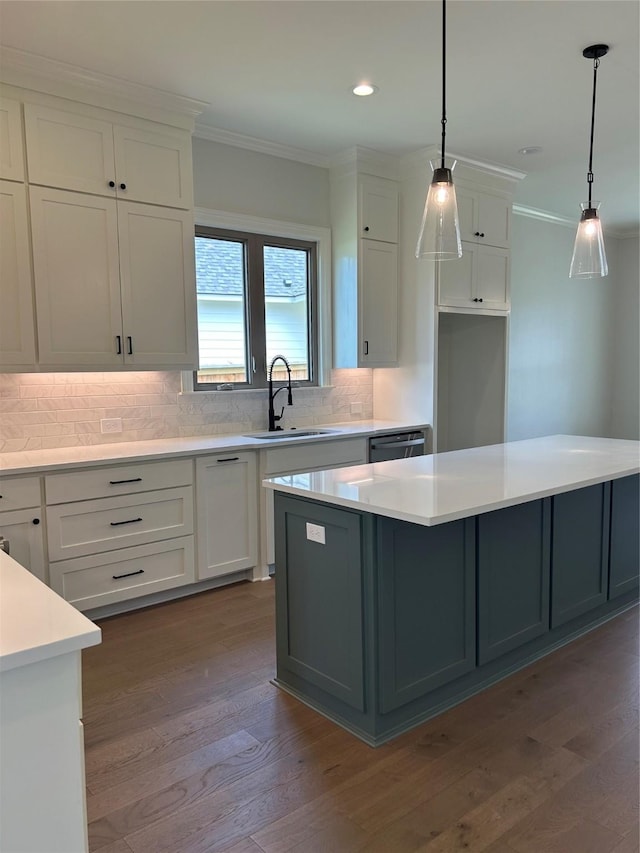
[[119, 344], [482, 234], [366, 347], [481, 299], [129, 345], [128, 575], [112, 184], [120, 482], [36, 521], [366, 227], [123, 186], [475, 298], [229, 459], [128, 521]]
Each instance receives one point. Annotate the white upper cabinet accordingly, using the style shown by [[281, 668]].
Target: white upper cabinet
[[484, 218], [76, 268], [147, 162], [11, 156], [158, 311], [110, 281], [17, 340], [364, 220], [478, 281], [378, 209]]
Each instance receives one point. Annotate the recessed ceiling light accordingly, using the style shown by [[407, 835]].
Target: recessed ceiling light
[[364, 89], [530, 149]]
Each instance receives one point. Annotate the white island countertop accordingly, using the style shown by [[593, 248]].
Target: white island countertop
[[432, 490], [35, 622]]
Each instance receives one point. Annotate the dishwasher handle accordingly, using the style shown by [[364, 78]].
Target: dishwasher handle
[[387, 445]]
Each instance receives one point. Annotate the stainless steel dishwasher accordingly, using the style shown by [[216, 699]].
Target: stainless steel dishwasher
[[398, 445]]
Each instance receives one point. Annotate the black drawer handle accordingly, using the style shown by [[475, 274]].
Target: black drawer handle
[[128, 521], [120, 482], [127, 575], [229, 459]]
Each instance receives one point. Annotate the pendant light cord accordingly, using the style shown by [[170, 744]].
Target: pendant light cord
[[444, 77], [596, 63]]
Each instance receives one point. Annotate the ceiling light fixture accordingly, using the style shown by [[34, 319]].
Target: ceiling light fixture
[[364, 89], [589, 259], [439, 238]]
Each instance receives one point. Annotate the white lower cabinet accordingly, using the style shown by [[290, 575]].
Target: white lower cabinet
[[21, 528], [21, 531], [227, 514], [101, 579], [103, 550]]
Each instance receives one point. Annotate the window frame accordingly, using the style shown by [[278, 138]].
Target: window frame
[[320, 307]]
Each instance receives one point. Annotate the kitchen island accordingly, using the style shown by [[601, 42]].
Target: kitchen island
[[404, 587], [42, 786]]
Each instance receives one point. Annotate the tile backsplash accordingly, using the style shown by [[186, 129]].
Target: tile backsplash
[[43, 410]]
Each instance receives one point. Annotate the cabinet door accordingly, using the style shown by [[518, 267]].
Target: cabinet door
[[455, 279], [378, 209], [11, 158], [319, 597], [484, 218], [491, 278], [514, 549], [579, 552], [426, 604], [75, 259], [625, 536], [69, 151], [22, 529], [155, 167], [157, 275], [17, 339], [226, 500], [378, 304]]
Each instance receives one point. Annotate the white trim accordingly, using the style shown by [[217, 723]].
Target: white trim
[[420, 159], [262, 146], [28, 70], [297, 231], [566, 221]]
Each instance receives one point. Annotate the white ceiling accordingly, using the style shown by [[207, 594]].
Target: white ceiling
[[281, 72]]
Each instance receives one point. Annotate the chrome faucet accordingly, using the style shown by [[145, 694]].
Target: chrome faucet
[[272, 394]]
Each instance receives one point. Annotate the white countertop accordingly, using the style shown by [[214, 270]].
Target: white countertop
[[39, 461], [35, 623], [431, 490]]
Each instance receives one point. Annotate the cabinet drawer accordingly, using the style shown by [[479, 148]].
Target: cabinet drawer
[[89, 527], [19, 493], [118, 480], [306, 457], [104, 579]]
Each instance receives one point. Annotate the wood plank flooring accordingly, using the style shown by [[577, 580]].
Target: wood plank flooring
[[190, 749]]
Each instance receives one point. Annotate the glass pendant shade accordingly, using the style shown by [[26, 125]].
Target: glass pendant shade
[[589, 259], [439, 238]]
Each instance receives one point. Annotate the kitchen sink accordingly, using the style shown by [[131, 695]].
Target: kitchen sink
[[290, 433]]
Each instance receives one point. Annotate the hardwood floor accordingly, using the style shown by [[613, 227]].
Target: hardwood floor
[[189, 748]]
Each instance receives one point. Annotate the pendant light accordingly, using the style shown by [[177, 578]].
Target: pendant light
[[439, 238], [589, 259]]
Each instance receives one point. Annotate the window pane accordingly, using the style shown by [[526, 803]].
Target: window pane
[[221, 290], [286, 309]]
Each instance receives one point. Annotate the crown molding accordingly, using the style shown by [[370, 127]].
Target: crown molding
[[360, 159], [262, 146], [30, 71], [567, 221], [419, 160]]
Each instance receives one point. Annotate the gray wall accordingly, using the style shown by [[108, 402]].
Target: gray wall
[[625, 336], [242, 181], [573, 357]]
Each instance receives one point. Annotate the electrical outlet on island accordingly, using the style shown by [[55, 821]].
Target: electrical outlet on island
[[111, 425]]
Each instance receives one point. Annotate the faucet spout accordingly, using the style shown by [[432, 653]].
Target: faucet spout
[[273, 418]]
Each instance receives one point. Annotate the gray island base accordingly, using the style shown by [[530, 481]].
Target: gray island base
[[382, 623]]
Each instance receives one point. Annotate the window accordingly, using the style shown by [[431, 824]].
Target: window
[[256, 299]]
